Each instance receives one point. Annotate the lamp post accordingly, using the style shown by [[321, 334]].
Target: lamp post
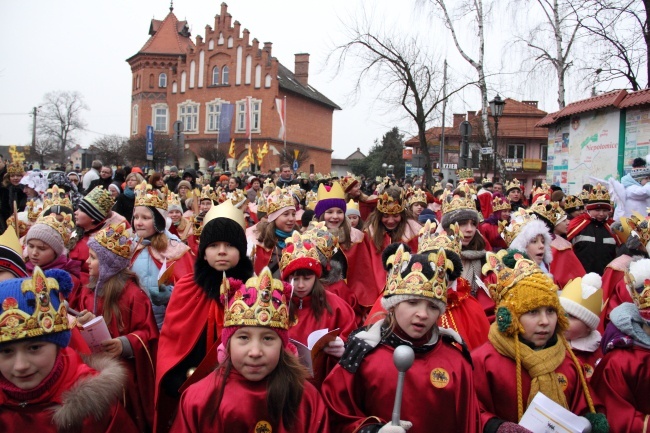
[[388, 168], [496, 109]]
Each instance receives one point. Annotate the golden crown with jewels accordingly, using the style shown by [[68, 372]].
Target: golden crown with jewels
[[437, 187], [317, 234], [429, 240], [207, 193], [33, 211], [465, 174], [56, 196], [599, 194], [416, 282], [518, 219], [301, 247], [514, 184], [388, 205], [415, 196], [459, 199], [507, 277], [545, 210], [543, 189], [63, 228], [278, 199], [147, 195], [584, 196], [15, 169], [348, 182], [499, 203], [116, 238], [572, 202]]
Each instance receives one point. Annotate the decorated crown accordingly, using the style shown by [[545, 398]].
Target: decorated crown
[[507, 277], [146, 195], [237, 197], [116, 238], [518, 220], [297, 191], [437, 187], [486, 181], [642, 228], [642, 300], [56, 196], [348, 182], [278, 199], [311, 198], [207, 193], [63, 227], [268, 183], [317, 234], [335, 192], [543, 189], [599, 194], [416, 282], [261, 301], [572, 202], [584, 196], [499, 203], [352, 205], [388, 205], [429, 240], [452, 202], [299, 254], [514, 184], [197, 224], [15, 169], [465, 174], [415, 196], [261, 203], [33, 210], [46, 319], [545, 210], [173, 200]]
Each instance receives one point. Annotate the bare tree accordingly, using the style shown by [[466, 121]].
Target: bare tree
[[405, 72], [288, 155], [110, 149], [211, 153], [135, 150], [44, 150], [60, 118]]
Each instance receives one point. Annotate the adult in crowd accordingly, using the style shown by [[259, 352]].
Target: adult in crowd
[[126, 200], [104, 180], [173, 180], [286, 177], [92, 174]]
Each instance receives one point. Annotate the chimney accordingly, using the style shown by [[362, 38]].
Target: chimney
[[301, 69], [267, 47], [458, 119], [471, 115], [531, 103]]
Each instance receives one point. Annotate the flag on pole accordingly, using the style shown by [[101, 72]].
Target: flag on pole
[[280, 105], [261, 152], [243, 164], [231, 151], [249, 116], [225, 122], [251, 158]]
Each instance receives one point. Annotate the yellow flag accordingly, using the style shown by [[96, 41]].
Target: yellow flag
[[231, 152], [260, 154], [295, 154], [243, 164], [251, 158]]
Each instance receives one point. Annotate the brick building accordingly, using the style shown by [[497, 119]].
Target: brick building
[[176, 78], [522, 146]]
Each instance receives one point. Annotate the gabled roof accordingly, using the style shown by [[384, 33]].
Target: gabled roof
[[606, 100], [288, 81], [168, 36], [641, 97]]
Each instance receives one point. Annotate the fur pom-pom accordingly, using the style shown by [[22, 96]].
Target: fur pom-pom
[[590, 284], [63, 278], [598, 422], [509, 259], [390, 250]]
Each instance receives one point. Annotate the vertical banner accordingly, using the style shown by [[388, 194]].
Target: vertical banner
[[281, 106], [149, 143], [225, 122]]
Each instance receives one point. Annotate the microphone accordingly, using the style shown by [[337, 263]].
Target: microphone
[[403, 358]]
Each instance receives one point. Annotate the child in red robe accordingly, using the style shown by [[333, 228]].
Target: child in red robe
[[260, 385], [44, 385], [114, 293], [438, 390], [527, 352]]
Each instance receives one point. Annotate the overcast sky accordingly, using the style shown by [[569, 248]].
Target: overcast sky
[[82, 45]]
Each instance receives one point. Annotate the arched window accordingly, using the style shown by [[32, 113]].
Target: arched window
[[215, 75], [162, 80], [211, 45], [225, 75]]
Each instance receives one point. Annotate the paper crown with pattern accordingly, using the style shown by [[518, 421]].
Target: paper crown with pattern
[[642, 228], [197, 224], [429, 240], [507, 277], [543, 189], [573, 203], [261, 301], [298, 192], [278, 199], [15, 169], [518, 219], [415, 196], [33, 211], [35, 294], [452, 202], [116, 238], [311, 198], [599, 194], [465, 174], [325, 241], [56, 196], [174, 201], [550, 211], [514, 184], [584, 196], [416, 283], [500, 203], [388, 205], [146, 195], [237, 198], [207, 193], [437, 187], [299, 254], [63, 227], [348, 182]]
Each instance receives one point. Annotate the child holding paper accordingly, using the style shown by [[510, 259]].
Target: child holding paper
[[114, 293], [527, 352], [260, 385], [438, 389]]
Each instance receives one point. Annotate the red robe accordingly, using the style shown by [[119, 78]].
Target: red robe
[[565, 265], [615, 290], [139, 327], [243, 408], [367, 396], [491, 234], [36, 416], [589, 360], [622, 380], [495, 380], [342, 290]]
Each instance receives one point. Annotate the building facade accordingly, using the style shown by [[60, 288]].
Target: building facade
[[178, 79]]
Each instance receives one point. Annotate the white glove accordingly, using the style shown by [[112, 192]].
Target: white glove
[[335, 348], [390, 428]]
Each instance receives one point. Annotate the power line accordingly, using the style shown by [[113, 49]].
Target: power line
[[16, 114]]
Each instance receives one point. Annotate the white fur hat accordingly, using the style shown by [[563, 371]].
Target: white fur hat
[[528, 233]]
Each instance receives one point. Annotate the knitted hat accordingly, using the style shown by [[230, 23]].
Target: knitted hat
[[223, 178], [173, 169], [416, 276], [426, 215], [11, 259], [299, 254], [97, 204], [640, 173], [53, 232], [458, 206], [31, 307], [352, 208], [222, 229], [583, 299], [330, 197], [112, 244], [184, 183], [261, 301]]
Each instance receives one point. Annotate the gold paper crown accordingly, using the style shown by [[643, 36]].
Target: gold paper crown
[[197, 224], [33, 211], [22, 226], [518, 220], [599, 194], [514, 184], [388, 205], [146, 195], [415, 196], [16, 324], [437, 187], [429, 240], [642, 228], [225, 210], [352, 205], [56, 196], [237, 197], [63, 227], [466, 174], [416, 282], [587, 297], [302, 248], [278, 199], [543, 189], [486, 180], [348, 182], [207, 193], [116, 238], [584, 196], [507, 277], [268, 183], [311, 198], [452, 202], [545, 210], [499, 203], [572, 202], [269, 307], [297, 191], [641, 300], [15, 169], [173, 200], [335, 192], [325, 241]]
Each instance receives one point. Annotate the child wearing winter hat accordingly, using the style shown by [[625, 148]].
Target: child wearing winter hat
[[438, 389], [353, 215], [180, 226], [582, 299], [259, 385], [527, 352], [44, 385]]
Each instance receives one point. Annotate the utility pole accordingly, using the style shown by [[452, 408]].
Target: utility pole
[[34, 113], [444, 108]]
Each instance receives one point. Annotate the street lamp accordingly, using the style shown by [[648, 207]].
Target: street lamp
[[496, 109], [388, 168]]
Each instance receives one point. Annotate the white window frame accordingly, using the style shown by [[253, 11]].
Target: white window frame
[[188, 113], [213, 115], [134, 120], [155, 115], [516, 147], [225, 75], [240, 120], [162, 80], [216, 69]]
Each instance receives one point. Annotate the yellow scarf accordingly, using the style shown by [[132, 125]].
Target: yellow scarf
[[540, 365]]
